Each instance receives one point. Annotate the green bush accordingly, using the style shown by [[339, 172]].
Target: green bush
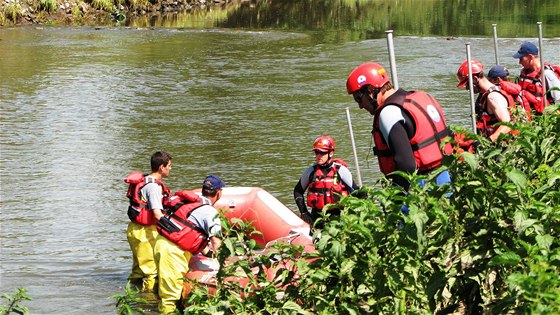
[[13, 303], [12, 11], [492, 246], [130, 302], [105, 5], [48, 5]]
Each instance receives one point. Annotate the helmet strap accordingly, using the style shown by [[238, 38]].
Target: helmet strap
[[373, 99]]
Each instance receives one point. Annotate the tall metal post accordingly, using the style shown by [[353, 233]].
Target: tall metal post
[[392, 59], [354, 147], [543, 78], [471, 92], [496, 43]]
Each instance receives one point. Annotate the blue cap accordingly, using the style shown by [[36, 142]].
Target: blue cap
[[526, 49], [213, 182], [498, 72]]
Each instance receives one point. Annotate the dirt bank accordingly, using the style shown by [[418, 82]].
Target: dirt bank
[[94, 12]]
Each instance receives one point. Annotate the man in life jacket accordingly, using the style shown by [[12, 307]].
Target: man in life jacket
[[408, 126], [499, 76], [147, 195], [325, 181], [531, 74], [190, 227], [492, 104]]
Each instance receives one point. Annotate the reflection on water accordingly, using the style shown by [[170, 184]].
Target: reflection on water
[[339, 21], [80, 108]]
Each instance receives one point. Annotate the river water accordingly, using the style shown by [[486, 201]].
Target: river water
[[81, 107]]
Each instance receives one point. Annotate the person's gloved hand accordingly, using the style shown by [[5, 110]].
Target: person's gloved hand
[[305, 216], [360, 194]]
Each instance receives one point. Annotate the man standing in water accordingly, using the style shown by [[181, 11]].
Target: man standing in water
[[492, 105], [325, 181], [408, 127], [193, 228], [147, 195], [530, 78]]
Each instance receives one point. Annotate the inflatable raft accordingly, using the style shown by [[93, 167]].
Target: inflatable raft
[[268, 215]]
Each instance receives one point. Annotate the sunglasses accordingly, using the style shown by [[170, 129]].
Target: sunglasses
[[360, 94], [317, 152]]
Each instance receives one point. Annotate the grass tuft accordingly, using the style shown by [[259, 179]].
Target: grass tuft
[[105, 5], [48, 5]]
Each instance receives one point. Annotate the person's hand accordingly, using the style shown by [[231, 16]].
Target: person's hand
[[360, 193], [305, 216]]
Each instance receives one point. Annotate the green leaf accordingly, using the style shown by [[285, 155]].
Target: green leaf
[[471, 160], [507, 259], [544, 241], [337, 249], [518, 178]]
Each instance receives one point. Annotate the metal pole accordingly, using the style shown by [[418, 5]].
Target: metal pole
[[471, 92], [354, 147], [543, 78], [392, 59], [496, 43]]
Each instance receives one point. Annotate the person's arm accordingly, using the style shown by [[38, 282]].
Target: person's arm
[[158, 213], [299, 198], [552, 82], [154, 198], [215, 242], [498, 105], [347, 179], [213, 226], [299, 191], [404, 157]]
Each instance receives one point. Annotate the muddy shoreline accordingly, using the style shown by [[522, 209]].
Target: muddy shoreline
[[97, 13]]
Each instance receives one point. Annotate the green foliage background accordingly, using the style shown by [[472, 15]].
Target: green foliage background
[[492, 246]]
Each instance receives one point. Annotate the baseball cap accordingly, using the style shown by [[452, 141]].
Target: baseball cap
[[526, 49], [213, 182], [498, 72]]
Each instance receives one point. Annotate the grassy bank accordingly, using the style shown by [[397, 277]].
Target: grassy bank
[[91, 12]]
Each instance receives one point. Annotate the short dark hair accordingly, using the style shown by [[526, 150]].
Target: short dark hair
[[207, 192], [159, 158], [386, 87]]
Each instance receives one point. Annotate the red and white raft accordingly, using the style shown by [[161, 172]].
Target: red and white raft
[[268, 215]]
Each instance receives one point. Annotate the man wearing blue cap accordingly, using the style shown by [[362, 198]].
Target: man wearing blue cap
[[193, 228], [530, 77], [499, 76]]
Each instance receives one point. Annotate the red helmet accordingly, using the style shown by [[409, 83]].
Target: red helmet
[[367, 73], [463, 72], [323, 144]]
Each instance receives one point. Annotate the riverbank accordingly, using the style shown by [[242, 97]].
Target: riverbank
[[95, 12]]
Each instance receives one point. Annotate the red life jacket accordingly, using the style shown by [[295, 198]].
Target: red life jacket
[[323, 188], [425, 142], [485, 122], [519, 97], [531, 83], [137, 210], [177, 228]]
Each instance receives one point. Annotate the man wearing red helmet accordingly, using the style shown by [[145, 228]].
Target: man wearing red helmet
[[325, 181], [408, 127], [492, 105]]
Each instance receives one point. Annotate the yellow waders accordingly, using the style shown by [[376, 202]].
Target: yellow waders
[[172, 262], [142, 239]]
